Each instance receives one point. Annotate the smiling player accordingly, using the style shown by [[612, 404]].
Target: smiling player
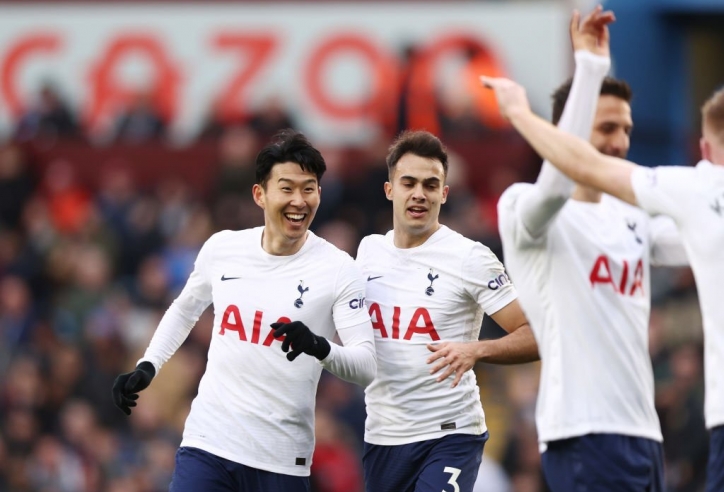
[[251, 427]]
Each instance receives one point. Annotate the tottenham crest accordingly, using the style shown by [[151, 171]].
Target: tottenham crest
[[430, 291], [298, 302]]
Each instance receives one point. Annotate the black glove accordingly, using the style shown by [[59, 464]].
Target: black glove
[[301, 339], [126, 386]]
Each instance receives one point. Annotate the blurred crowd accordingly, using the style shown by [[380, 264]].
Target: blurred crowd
[[410, 93], [87, 270]]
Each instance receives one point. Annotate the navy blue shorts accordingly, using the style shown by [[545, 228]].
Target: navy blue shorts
[[715, 469], [447, 464], [604, 462], [198, 470]]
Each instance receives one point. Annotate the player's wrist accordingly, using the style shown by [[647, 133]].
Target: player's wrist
[[482, 350], [323, 348], [148, 370], [519, 114], [592, 62]]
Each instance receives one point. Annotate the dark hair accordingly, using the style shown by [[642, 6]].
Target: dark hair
[[289, 146], [420, 143], [609, 87]]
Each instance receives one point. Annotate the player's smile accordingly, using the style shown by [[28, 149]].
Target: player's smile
[[290, 199], [295, 218]]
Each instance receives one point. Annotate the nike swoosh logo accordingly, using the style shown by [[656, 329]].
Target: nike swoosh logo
[[374, 278], [224, 277]]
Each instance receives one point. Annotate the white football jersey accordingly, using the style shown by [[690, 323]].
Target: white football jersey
[[253, 405], [435, 292], [584, 285], [694, 198]]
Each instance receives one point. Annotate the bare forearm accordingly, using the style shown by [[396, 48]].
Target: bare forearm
[[576, 158], [573, 156], [517, 347]]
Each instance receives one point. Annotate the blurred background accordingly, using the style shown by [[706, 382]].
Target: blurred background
[[128, 132]]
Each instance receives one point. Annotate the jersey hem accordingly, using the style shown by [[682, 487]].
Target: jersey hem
[[298, 472], [714, 421], [546, 437], [379, 440]]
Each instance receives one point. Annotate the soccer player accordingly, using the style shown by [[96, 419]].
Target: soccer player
[[427, 284], [693, 196], [581, 262], [251, 426]]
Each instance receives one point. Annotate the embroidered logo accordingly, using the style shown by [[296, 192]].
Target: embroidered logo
[[717, 206], [430, 291], [298, 303], [632, 227]]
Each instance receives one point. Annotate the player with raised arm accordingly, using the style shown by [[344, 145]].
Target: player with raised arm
[[580, 260], [251, 426], [692, 196], [429, 284]]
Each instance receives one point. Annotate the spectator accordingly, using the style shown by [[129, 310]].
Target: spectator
[[17, 316], [140, 121], [69, 202], [335, 463], [232, 202], [271, 118], [50, 118], [679, 403], [16, 185]]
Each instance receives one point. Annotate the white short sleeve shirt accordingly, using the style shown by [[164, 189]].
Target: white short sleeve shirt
[[694, 198], [435, 292]]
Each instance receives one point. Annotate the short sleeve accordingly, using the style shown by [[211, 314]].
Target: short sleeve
[[349, 306], [667, 247], [362, 252], [663, 190], [485, 280]]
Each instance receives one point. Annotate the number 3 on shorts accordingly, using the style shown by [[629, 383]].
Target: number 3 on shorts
[[455, 472]]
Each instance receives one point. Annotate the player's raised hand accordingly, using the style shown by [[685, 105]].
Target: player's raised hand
[[301, 340], [592, 33], [454, 357], [511, 96], [127, 386]]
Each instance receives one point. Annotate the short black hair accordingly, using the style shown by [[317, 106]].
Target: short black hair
[[289, 146], [609, 87], [419, 143]]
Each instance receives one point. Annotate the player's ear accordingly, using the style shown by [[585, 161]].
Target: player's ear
[[388, 190], [257, 191], [705, 147], [445, 190]]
